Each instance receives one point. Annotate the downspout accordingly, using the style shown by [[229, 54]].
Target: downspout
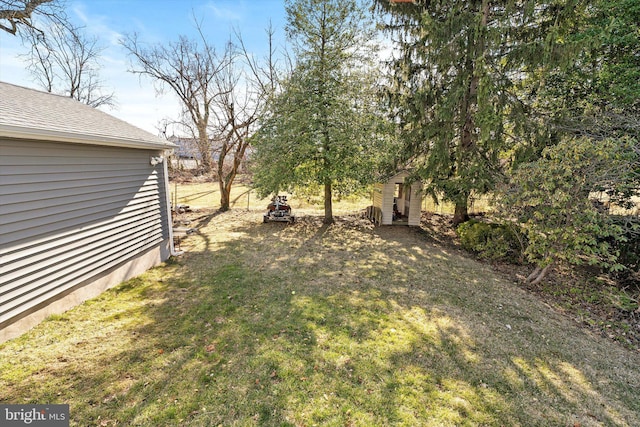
[[172, 248]]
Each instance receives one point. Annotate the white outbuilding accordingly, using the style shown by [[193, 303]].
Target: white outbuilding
[[396, 201]]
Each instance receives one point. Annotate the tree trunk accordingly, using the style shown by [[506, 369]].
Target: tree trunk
[[328, 208], [204, 149], [224, 196], [468, 111], [227, 183], [537, 275], [461, 213]]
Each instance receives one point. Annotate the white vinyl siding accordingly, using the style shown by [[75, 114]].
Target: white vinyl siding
[[71, 212], [383, 197], [415, 210]]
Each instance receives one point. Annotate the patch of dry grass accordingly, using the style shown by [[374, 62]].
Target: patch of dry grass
[[308, 324], [206, 195]]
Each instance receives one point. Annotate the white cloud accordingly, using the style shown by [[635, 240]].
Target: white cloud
[[97, 25], [225, 13], [12, 68]]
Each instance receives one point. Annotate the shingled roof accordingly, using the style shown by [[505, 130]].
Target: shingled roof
[[31, 114]]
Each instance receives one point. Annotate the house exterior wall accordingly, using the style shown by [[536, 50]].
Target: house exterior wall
[[75, 220]]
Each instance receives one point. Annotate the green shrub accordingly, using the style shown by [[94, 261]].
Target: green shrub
[[628, 252], [550, 201], [491, 241]]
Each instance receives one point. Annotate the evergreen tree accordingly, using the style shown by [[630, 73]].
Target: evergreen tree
[[321, 129], [598, 94], [457, 80]]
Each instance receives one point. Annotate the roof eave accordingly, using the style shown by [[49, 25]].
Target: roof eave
[[17, 132]]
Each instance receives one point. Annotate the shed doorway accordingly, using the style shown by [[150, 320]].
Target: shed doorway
[[396, 202], [400, 206]]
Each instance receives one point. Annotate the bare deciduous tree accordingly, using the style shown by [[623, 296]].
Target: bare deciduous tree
[[220, 100], [67, 62], [236, 112], [189, 70]]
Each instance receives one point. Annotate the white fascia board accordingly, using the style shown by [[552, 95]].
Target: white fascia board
[[17, 132]]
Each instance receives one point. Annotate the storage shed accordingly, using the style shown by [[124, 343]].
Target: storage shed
[[396, 201], [84, 204]]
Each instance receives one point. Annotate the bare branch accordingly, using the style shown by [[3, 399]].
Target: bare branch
[[67, 62], [18, 14]]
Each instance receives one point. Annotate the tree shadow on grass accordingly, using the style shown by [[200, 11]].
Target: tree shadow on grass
[[274, 324]]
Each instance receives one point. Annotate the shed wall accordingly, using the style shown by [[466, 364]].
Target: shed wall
[[415, 204], [387, 203], [71, 214], [378, 190]]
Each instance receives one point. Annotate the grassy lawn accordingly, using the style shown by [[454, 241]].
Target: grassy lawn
[[307, 324]]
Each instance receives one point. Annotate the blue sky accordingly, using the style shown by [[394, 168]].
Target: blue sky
[[155, 21]]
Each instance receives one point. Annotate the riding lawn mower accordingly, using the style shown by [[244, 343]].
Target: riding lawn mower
[[278, 210]]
